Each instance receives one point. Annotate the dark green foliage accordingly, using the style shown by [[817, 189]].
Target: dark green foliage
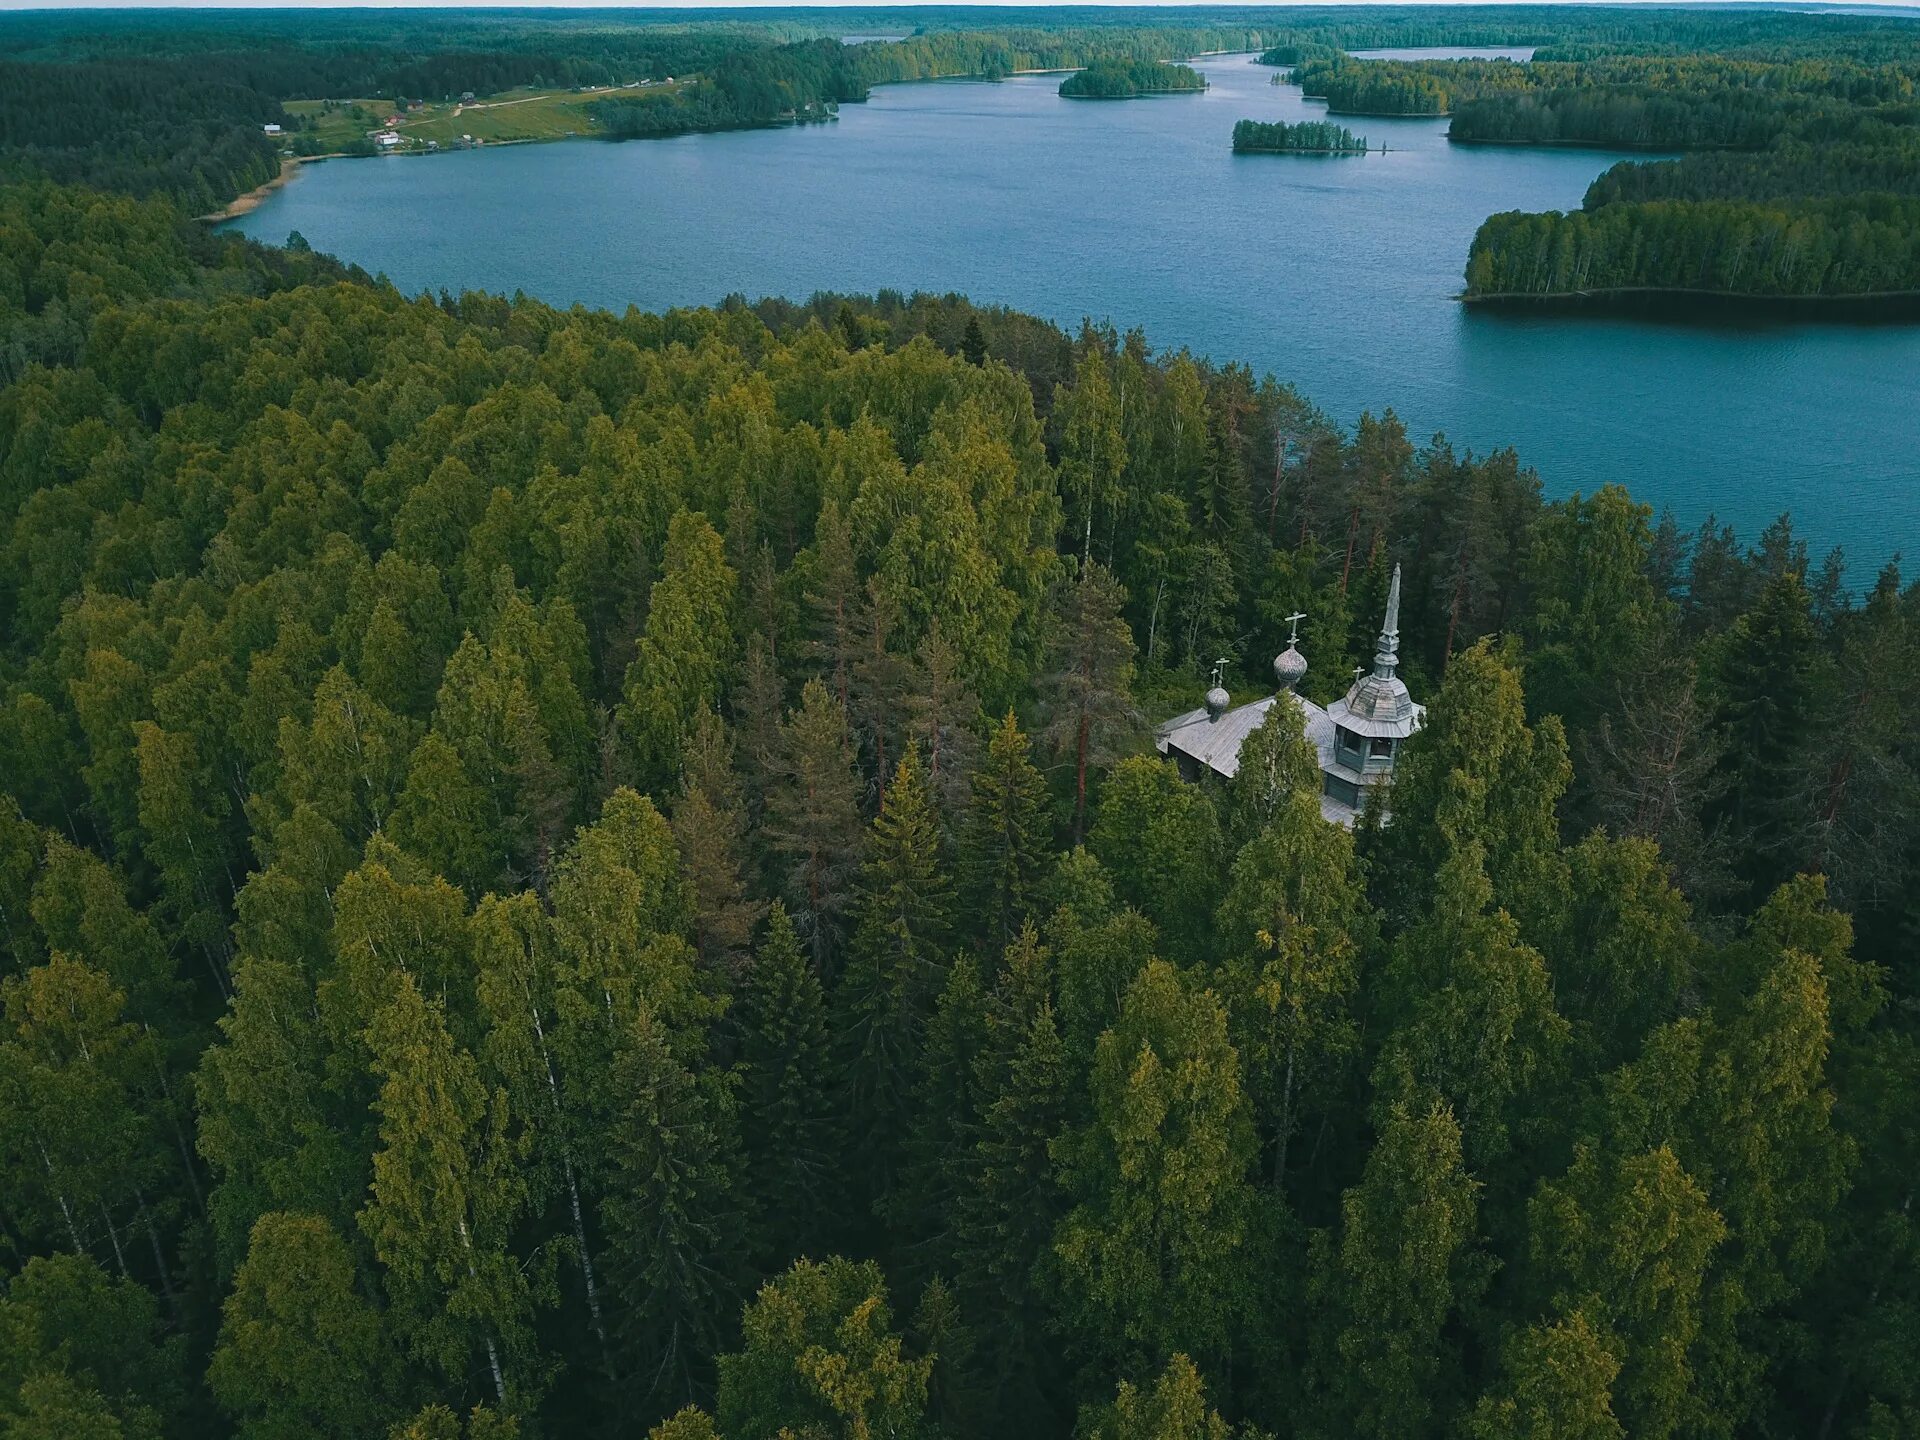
[[375, 1060], [1121, 79], [1308, 137]]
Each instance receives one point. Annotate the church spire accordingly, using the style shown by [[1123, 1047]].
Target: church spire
[[1386, 656]]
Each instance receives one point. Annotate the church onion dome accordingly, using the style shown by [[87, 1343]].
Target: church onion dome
[[1289, 667], [1217, 702]]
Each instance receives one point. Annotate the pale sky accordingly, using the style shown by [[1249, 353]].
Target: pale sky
[[1849, 5]]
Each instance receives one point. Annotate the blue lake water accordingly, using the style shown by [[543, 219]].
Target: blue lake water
[[1337, 274]]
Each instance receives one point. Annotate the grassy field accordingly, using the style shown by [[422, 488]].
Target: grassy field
[[514, 115]]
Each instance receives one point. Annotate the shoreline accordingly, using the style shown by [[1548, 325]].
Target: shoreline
[[256, 197], [1897, 307]]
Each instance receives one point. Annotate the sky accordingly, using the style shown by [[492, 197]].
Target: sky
[[834, 4]]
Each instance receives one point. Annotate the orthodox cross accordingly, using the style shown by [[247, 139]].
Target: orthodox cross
[[1293, 623]]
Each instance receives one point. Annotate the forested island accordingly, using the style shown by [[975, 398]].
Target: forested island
[[1806, 154], [1306, 137], [1124, 79]]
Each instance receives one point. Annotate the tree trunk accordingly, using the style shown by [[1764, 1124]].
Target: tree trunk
[[119, 1255]]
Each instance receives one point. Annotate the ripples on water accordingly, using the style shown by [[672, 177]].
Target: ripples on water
[[1337, 274]]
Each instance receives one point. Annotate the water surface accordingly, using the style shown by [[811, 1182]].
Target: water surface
[[1335, 273]]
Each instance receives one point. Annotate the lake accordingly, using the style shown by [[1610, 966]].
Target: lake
[[1335, 273]]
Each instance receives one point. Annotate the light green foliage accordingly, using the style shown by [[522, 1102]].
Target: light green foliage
[[302, 1353], [1155, 1255], [820, 1361], [1160, 840], [266, 1123], [1175, 1409], [446, 1191], [686, 649], [1626, 1242], [1275, 762], [1556, 1384], [1477, 772], [1293, 927], [1473, 1021]]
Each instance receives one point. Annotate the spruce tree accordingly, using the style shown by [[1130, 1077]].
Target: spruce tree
[[792, 1143], [1386, 1292], [896, 969], [813, 821], [1086, 690], [675, 1220], [1005, 850]]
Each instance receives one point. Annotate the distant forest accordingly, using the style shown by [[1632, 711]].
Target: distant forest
[[572, 874], [1806, 150]]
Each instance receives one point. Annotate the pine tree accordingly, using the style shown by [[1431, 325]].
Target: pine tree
[[1769, 679], [683, 658], [1294, 925], [943, 714], [938, 1165], [1005, 1225], [1005, 854], [712, 839]]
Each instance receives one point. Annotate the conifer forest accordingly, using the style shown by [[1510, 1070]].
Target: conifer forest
[[567, 873]]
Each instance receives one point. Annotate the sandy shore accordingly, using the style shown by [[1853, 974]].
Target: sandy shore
[[240, 205]]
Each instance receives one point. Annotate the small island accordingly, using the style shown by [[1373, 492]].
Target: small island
[[1125, 79], [1308, 137]]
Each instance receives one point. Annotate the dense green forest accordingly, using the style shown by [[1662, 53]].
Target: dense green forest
[[563, 873], [1308, 137], [1805, 147], [1121, 79]]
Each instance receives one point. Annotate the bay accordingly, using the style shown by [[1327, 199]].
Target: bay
[[1338, 274]]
